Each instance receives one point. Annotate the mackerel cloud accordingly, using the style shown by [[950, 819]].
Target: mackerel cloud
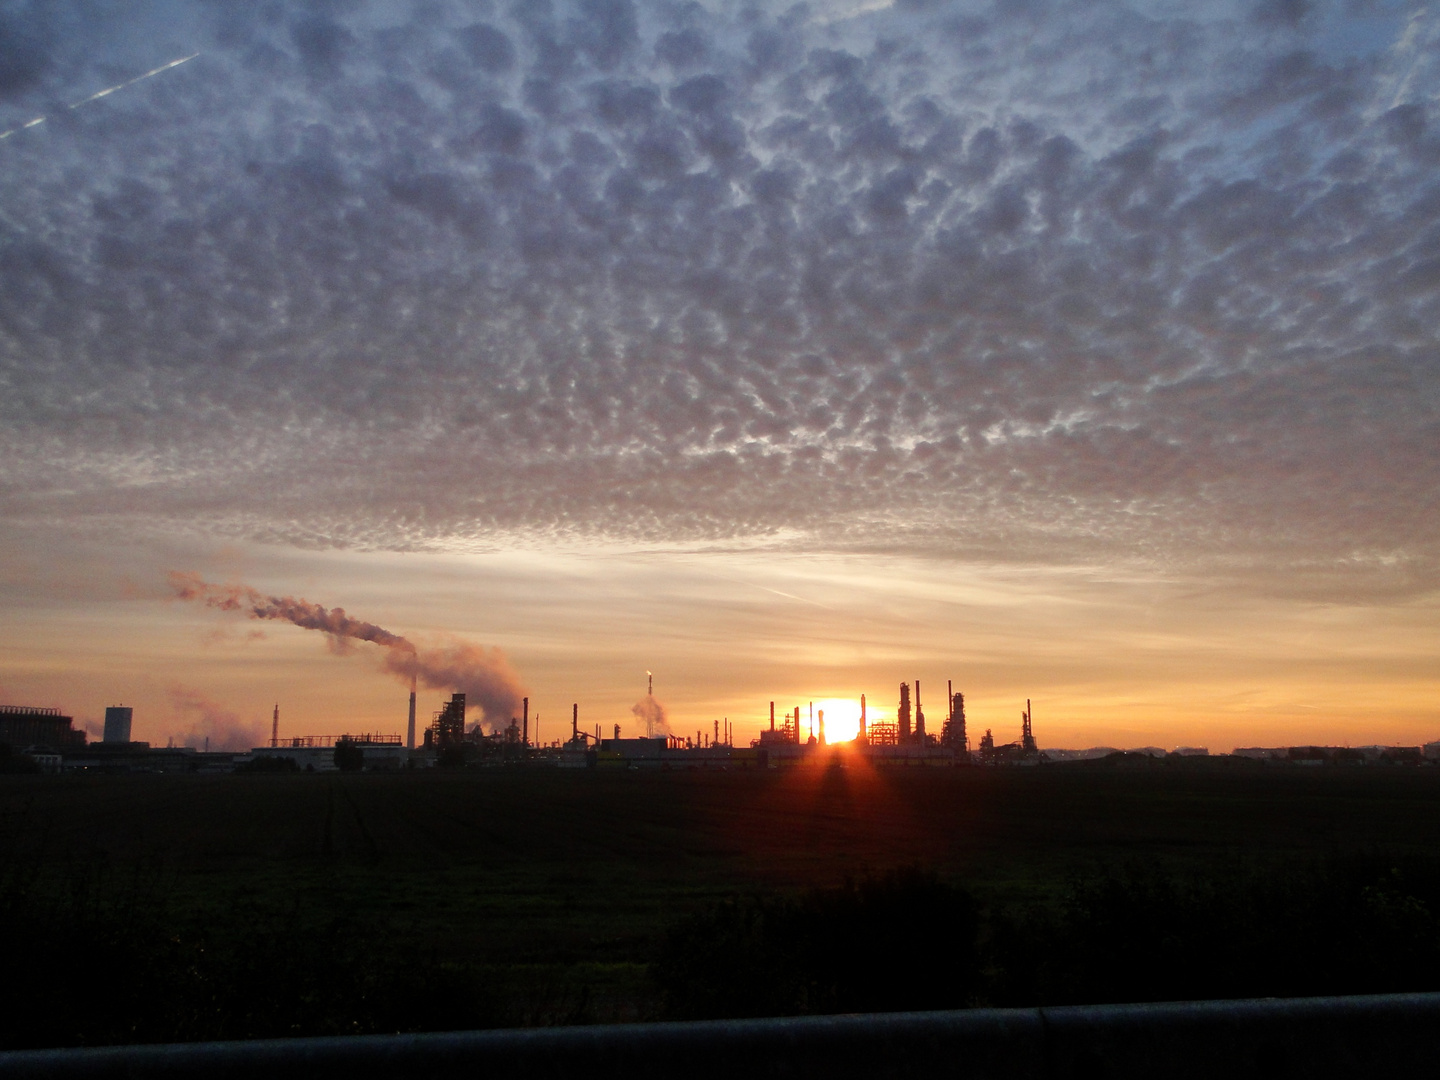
[[1048, 280]]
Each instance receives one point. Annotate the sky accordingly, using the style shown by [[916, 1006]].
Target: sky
[[1081, 353]]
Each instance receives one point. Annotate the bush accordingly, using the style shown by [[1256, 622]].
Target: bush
[[348, 756], [11, 762], [1360, 925], [1348, 926], [902, 941], [87, 964]]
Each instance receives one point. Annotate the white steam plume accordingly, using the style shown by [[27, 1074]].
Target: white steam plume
[[651, 713]]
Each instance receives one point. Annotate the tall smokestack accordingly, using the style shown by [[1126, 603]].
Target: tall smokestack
[[525, 725], [919, 714], [862, 716], [822, 727], [575, 722], [275, 727], [772, 716], [410, 728], [649, 684]]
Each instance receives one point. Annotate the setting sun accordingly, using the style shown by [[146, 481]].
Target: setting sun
[[842, 718]]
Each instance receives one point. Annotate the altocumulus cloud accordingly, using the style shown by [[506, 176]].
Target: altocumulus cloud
[[1017, 278]]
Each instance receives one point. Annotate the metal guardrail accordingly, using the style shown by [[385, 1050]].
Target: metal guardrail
[[1382, 1036]]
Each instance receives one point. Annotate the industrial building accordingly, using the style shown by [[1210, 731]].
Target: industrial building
[[789, 739], [450, 741], [48, 738], [1023, 752], [117, 723], [45, 729], [317, 753]]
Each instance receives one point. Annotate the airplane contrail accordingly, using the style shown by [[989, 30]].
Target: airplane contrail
[[103, 93]]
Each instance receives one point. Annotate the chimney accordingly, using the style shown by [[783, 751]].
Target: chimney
[[822, 727], [525, 728], [410, 728], [862, 716], [575, 722], [275, 727], [772, 716], [919, 714]]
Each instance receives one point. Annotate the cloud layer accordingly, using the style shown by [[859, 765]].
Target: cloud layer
[[1010, 280]]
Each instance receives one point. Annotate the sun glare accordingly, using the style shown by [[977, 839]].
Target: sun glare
[[842, 719]]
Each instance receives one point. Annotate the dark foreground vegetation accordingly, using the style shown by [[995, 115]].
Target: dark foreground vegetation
[[1346, 926], [179, 908]]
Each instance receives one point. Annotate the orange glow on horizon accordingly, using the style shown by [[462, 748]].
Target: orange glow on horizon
[[842, 718]]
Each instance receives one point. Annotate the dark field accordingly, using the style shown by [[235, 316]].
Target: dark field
[[269, 904]]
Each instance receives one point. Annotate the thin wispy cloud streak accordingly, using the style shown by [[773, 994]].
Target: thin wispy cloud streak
[[1067, 283]]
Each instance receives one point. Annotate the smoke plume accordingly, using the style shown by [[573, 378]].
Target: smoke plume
[[651, 713], [483, 675], [208, 723], [256, 605]]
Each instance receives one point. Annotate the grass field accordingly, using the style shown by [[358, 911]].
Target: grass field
[[550, 890]]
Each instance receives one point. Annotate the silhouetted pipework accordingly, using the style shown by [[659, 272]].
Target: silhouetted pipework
[[954, 734], [904, 713], [450, 722], [1027, 735]]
